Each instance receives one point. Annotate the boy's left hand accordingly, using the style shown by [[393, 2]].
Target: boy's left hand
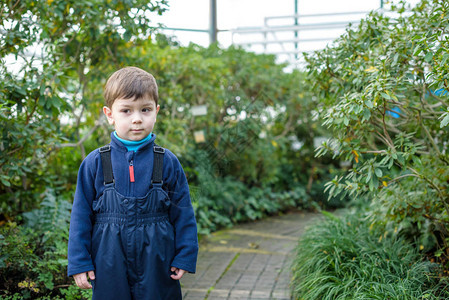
[[178, 273]]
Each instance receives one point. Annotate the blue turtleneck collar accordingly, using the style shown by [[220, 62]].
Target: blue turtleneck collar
[[133, 145]]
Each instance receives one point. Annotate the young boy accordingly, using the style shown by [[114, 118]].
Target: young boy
[[132, 229]]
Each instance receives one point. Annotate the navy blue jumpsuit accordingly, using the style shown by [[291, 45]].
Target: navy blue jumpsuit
[[133, 239]]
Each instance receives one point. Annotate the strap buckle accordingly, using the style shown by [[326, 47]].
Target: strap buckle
[[106, 183], [158, 149], [105, 148]]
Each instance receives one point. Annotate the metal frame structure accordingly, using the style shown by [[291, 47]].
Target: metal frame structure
[[289, 46]]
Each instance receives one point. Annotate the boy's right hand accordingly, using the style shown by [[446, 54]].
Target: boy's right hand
[[81, 279]]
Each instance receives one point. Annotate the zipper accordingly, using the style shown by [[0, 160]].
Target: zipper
[[131, 171]]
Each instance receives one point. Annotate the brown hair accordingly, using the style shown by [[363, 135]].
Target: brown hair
[[130, 83]]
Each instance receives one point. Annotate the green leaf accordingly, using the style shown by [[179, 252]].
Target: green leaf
[[390, 164], [378, 173], [366, 114], [5, 182], [417, 50], [386, 96], [416, 160], [368, 177], [428, 57], [445, 120], [371, 185], [330, 216]]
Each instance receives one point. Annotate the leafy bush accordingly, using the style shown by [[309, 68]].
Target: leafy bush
[[226, 202], [408, 209], [51, 51], [343, 258], [50, 118], [246, 167], [383, 92], [34, 255], [255, 112]]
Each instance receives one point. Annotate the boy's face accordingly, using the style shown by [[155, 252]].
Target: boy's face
[[133, 120]]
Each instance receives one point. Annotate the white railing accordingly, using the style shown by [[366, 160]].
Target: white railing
[[289, 36]]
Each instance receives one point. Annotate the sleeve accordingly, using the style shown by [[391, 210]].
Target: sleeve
[[80, 234], [182, 217]]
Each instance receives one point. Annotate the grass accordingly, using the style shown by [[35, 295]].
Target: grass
[[344, 259]]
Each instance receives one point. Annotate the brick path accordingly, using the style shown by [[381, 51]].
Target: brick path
[[249, 261]]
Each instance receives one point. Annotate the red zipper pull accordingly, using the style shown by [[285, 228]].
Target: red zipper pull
[[131, 171]]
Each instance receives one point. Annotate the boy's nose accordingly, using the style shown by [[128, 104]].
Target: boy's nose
[[137, 118]]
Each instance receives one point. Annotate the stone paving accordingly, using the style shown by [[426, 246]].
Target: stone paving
[[249, 261]]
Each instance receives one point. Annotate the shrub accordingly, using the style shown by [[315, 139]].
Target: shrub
[[343, 258], [224, 202], [383, 91], [33, 261]]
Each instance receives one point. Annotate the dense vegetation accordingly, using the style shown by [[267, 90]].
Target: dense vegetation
[[256, 157], [381, 89], [383, 92], [343, 258]]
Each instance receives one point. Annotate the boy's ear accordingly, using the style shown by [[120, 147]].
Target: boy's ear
[[108, 113]]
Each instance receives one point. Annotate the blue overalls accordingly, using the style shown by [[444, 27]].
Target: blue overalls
[[133, 241]]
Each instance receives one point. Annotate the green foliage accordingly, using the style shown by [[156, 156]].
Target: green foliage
[[53, 213], [55, 58], [50, 52], [246, 167], [255, 113], [74, 293], [384, 93], [223, 203], [345, 258], [34, 255]]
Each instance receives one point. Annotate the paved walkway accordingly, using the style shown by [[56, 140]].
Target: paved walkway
[[249, 261]]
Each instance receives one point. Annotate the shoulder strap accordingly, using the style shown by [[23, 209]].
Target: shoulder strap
[[158, 164], [105, 153]]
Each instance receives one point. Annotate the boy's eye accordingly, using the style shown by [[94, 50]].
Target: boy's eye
[[125, 111], [146, 109]]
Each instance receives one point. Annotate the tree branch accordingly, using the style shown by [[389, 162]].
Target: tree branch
[[287, 128], [403, 176], [85, 137], [384, 139], [431, 140], [387, 136], [374, 152], [434, 186]]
